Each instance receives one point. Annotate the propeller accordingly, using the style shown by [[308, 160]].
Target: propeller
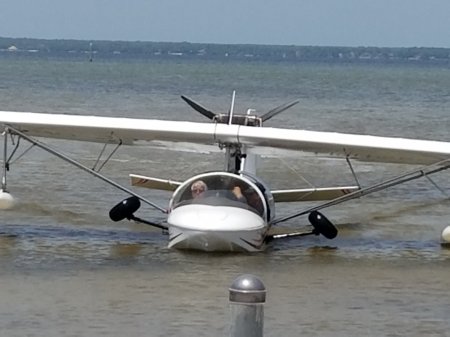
[[125, 210], [268, 115], [197, 107], [214, 116]]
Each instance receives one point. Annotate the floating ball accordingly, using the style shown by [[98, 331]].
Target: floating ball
[[7, 201], [446, 235]]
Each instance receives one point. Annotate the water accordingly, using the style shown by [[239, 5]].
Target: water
[[67, 270]]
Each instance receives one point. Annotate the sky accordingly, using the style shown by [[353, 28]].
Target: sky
[[353, 23]]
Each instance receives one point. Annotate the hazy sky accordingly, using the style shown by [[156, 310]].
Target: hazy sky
[[390, 23]]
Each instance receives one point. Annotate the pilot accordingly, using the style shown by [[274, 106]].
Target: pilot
[[198, 188]]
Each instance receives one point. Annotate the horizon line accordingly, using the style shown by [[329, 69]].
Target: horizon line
[[219, 43]]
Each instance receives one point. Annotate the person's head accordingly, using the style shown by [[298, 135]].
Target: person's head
[[198, 188]]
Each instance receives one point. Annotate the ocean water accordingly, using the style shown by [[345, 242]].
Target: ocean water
[[67, 270]]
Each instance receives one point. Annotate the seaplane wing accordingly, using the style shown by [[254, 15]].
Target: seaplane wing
[[129, 130], [106, 129]]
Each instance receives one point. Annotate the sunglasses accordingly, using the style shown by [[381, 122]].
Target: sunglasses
[[198, 190]]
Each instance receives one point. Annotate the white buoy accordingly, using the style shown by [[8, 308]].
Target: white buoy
[[7, 201], [446, 235]]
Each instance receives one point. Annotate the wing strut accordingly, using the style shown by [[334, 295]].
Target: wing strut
[[82, 167], [416, 174], [353, 171], [108, 158], [5, 162]]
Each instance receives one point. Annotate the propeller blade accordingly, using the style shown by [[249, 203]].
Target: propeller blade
[[197, 107], [277, 110]]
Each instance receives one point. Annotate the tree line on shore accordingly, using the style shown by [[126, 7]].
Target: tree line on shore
[[210, 51]]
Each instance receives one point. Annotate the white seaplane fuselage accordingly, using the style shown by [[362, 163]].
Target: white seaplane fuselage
[[216, 220], [216, 228]]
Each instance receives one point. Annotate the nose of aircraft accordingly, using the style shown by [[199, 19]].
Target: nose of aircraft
[[214, 218]]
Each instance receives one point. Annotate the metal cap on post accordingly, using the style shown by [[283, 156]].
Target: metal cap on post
[[247, 296]]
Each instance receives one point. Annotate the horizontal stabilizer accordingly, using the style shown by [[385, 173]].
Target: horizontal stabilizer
[[154, 183], [312, 194]]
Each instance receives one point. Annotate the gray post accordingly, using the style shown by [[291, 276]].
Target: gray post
[[247, 298]]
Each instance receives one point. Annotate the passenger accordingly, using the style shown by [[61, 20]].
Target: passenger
[[198, 188], [237, 191]]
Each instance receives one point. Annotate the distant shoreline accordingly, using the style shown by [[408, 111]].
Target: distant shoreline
[[211, 51]]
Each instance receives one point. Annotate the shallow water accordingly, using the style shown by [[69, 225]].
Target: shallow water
[[67, 270]]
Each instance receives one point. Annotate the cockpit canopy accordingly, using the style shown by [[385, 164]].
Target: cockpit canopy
[[221, 189]]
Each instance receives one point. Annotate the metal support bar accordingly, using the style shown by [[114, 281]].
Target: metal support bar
[[107, 159], [230, 119], [375, 188], [437, 186], [353, 171], [16, 147], [82, 167], [5, 154]]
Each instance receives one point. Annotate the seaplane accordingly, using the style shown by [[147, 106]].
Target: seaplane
[[232, 208]]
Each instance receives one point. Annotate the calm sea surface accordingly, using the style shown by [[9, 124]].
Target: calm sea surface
[[67, 270]]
